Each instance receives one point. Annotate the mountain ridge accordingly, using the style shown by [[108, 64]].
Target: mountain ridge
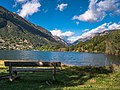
[[13, 26], [90, 37], [106, 43]]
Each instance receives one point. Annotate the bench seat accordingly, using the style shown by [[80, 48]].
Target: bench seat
[[34, 69], [31, 66]]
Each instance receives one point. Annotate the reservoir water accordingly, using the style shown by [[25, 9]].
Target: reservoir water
[[71, 58]]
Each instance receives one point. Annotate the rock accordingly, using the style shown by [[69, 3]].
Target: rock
[[93, 81], [2, 41]]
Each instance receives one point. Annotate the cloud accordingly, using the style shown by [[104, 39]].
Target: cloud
[[29, 8], [114, 26], [98, 10], [73, 39], [62, 6], [77, 23], [20, 1], [86, 30], [63, 35], [92, 32], [69, 36], [58, 32], [101, 28]]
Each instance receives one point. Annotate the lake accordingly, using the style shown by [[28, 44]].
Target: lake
[[71, 58]]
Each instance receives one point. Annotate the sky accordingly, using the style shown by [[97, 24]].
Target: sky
[[69, 19]]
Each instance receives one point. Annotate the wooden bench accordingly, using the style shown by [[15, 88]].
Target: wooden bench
[[31, 66]]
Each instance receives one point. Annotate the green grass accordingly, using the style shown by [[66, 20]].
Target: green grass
[[70, 78]]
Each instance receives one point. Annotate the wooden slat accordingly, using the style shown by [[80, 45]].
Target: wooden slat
[[24, 66], [28, 64], [33, 69]]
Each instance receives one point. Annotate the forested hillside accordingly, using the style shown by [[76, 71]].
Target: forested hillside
[[108, 43], [16, 33]]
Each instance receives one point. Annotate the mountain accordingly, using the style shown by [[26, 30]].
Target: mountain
[[60, 40], [92, 36], [18, 33], [108, 43]]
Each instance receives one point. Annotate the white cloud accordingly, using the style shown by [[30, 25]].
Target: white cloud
[[73, 39], [92, 32], [114, 26], [69, 36], [99, 29], [56, 32], [97, 10], [91, 14], [62, 6], [63, 35], [86, 30], [77, 23], [108, 5], [29, 8], [21, 1]]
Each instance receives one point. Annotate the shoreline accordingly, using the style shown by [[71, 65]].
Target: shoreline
[[62, 64], [69, 78], [62, 51]]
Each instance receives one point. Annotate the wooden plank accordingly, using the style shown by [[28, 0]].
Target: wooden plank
[[4, 76], [24, 66], [10, 72], [28, 64], [54, 72], [2, 64], [34, 69]]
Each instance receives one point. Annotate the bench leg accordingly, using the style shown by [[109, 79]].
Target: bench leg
[[10, 73], [11, 76], [53, 77], [54, 72], [15, 73]]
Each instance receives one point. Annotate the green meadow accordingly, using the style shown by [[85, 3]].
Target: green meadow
[[69, 78]]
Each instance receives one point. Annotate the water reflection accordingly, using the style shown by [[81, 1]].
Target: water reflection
[[113, 59], [72, 58]]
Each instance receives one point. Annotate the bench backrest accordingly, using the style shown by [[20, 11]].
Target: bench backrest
[[32, 64]]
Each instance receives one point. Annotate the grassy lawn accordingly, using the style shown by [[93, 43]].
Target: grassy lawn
[[70, 78]]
